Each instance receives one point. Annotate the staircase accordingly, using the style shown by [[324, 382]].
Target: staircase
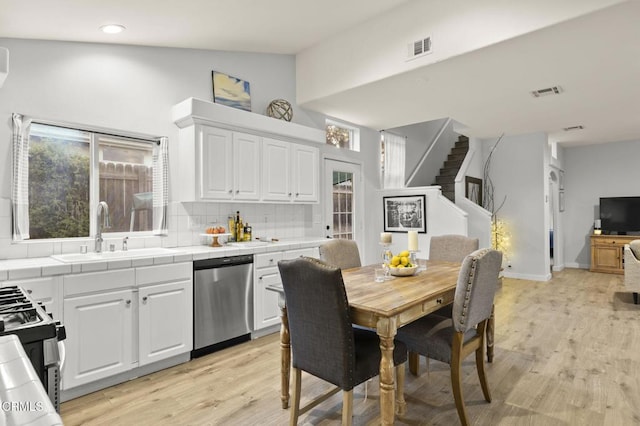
[[446, 178]]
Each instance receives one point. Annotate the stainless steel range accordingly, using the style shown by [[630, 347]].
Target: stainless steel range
[[39, 335]]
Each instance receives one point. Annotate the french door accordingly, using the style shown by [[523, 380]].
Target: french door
[[343, 200]]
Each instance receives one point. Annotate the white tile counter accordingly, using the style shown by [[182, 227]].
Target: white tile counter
[[13, 269]]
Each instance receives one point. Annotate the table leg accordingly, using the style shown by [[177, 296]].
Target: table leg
[[285, 356], [490, 334], [386, 330]]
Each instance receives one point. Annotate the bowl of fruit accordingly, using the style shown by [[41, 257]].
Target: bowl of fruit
[[400, 265], [212, 233]]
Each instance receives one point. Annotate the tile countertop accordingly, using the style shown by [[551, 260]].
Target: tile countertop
[[14, 269]]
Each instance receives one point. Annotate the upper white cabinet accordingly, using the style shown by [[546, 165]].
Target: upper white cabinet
[[228, 166], [242, 156], [305, 172], [289, 171]]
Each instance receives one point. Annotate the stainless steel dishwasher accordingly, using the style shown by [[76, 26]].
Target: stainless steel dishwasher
[[222, 303]]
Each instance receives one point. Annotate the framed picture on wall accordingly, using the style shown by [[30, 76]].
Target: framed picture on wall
[[231, 91], [405, 213]]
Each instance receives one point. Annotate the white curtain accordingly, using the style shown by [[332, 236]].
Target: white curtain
[[160, 186], [20, 178], [394, 160]]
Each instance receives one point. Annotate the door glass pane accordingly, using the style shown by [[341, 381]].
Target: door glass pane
[[342, 205]]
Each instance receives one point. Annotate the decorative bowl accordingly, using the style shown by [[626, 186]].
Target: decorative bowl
[[403, 272]]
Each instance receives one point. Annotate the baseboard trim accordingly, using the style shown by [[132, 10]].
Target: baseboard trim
[[529, 277]]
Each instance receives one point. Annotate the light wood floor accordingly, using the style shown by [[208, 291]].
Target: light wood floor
[[567, 353]]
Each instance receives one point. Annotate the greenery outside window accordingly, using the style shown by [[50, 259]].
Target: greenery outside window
[[67, 171], [342, 135]]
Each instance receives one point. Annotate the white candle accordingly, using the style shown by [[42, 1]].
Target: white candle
[[412, 237], [385, 237]]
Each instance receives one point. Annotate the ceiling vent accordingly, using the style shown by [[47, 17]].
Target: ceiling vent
[[569, 129], [555, 90], [419, 48]]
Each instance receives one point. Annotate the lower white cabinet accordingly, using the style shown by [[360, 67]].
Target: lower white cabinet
[[122, 319], [165, 321], [99, 336], [266, 310]]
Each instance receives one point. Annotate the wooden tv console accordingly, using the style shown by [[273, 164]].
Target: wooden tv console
[[607, 252]]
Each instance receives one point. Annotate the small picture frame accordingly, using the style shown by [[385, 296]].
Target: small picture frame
[[405, 213], [231, 91]]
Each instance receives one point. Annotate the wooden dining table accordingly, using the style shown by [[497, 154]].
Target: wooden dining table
[[385, 306]]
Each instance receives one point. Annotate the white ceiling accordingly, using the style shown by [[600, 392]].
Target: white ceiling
[[595, 58]]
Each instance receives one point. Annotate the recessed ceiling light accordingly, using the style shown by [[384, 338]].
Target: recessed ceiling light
[[112, 28]]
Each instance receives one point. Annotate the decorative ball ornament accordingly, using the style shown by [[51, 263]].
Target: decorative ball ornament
[[280, 109]]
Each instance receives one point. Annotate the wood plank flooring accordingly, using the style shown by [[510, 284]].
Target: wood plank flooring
[[567, 353]]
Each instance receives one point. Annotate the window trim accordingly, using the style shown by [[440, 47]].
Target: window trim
[[354, 132], [94, 189]]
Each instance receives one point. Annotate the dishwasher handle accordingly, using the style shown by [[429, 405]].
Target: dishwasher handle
[[221, 262]]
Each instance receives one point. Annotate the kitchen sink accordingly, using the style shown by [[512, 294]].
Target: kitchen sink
[[108, 255]]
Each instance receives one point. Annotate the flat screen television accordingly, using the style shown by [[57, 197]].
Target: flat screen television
[[620, 215]]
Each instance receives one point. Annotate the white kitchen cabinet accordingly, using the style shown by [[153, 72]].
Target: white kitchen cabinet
[[306, 165], [122, 319], [99, 340], [228, 166], [165, 312], [46, 290], [289, 171], [265, 302]]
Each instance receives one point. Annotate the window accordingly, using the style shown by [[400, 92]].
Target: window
[[392, 160], [62, 173], [342, 136], [343, 205]]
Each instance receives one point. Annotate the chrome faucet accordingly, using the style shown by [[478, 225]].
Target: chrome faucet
[[103, 209]]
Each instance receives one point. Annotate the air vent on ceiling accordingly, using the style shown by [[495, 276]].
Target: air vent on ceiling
[[555, 90], [419, 48], [568, 129]]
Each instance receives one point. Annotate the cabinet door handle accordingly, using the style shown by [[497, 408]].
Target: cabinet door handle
[[297, 194], [237, 191], [144, 299], [439, 301], [231, 191], [29, 291], [128, 302], [289, 194]]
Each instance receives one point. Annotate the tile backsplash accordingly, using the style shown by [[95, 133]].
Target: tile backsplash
[[187, 221]]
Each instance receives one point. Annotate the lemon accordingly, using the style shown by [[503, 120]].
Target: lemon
[[404, 260], [395, 260], [400, 266], [404, 253]]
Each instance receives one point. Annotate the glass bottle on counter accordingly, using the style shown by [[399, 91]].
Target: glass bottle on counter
[[239, 229], [232, 228]]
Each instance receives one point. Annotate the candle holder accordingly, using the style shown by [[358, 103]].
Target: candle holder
[[386, 257]]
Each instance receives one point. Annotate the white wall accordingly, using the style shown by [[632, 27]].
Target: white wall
[[591, 172], [443, 217], [518, 173], [419, 138], [133, 88]]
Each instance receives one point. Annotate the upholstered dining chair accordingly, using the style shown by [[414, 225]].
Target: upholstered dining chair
[[341, 253], [323, 341], [632, 268], [451, 248], [452, 339]]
